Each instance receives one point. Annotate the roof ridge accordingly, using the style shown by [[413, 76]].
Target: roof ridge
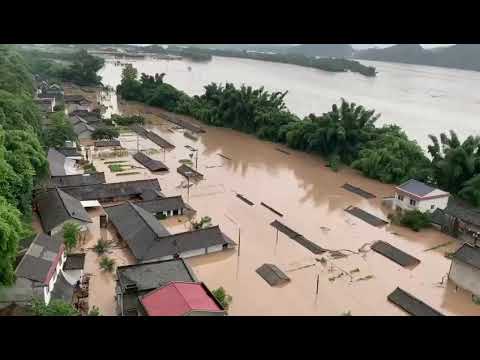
[[136, 208]]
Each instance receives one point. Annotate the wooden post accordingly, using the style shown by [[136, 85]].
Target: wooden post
[[238, 241], [196, 160], [318, 279], [188, 188]]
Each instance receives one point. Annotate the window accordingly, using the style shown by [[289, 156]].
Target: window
[[400, 197], [432, 207], [413, 202]]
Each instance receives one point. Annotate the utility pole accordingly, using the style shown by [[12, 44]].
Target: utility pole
[[318, 279], [239, 241], [188, 188], [138, 143], [196, 159]]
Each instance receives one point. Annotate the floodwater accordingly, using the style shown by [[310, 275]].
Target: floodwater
[[422, 100], [309, 195]]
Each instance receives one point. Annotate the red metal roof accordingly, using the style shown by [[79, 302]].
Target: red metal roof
[[179, 298]]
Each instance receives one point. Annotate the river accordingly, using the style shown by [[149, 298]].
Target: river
[[298, 185], [422, 100]]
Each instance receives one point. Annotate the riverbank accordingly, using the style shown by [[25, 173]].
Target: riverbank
[[312, 202]]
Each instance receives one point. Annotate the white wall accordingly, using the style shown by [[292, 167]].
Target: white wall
[[191, 253], [72, 276], [465, 276], [51, 284], [214, 248], [422, 205]]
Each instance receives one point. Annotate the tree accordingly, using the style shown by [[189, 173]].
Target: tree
[[59, 131], [470, 191], [413, 219], [94, 311], [84, 69], [204, 222], [55, 307], [11, 231], [105, 133], [223, 298], [101, 246], [129, 73], [107, 264], [71, 232]]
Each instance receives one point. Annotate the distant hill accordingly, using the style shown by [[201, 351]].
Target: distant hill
[[460, 56]]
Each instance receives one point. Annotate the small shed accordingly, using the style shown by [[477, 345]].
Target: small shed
[[149, 163], [272, 274], [465, 268]]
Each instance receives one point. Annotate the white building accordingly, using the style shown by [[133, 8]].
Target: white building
[[415, 195], [465, 269]]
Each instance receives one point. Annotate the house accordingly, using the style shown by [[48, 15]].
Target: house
[[83, 131], [55, 91], [91, 117], [134, 281], [120, 191], [55, 208], [70, 152], [459, 220], [60, 165], [163, 207], [39, 273], [149, 163], [149, 240], [151, 195], [46, 104], [77, 180], [415, 195], [181, 299], [77, 102], [465, 268]]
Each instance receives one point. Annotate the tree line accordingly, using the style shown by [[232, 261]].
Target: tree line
[[346, 134]]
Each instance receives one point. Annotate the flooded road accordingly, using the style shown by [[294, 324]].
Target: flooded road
[[422, 100], [310, 196]]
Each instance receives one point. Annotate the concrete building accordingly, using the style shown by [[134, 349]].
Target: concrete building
[[415, 195], [465, 269]]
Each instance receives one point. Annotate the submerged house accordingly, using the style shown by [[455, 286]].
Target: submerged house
[[149, 240], [111, 192], [134, 281], [459, 220], [55, 208], [415, 195], [163, 207], [39, 273], [465, 268], [77, 180], [151, 164]]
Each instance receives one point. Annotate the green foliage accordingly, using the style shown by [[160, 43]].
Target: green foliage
[[117, 167], [128, 120], [347, 313], [223, 298], [471, 190], [59, 130], [203, 223], [84, 69], [101, 247], [107, 264], [89, 168], [413, 219], [55, 307], [71, 232], [105, 133], [393, 158], [94, 311], [11, 231]]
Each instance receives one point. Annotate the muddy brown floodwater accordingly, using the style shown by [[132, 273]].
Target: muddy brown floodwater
[[310, 196]]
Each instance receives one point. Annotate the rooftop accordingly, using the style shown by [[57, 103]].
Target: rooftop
[[180, 298], [56, 162], [39, 258], [107, 143], [469, 255], [74, 262], [162, 204], [112, 190], [420, 189], [148, 162], [77, 180], [463, 211], [55, 207]]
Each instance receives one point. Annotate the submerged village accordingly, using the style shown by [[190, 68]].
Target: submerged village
[[168, 216]]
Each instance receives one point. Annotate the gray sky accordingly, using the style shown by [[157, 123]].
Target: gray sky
[[366, 46]]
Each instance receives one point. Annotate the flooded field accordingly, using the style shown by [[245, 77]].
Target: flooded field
[[310, 197]]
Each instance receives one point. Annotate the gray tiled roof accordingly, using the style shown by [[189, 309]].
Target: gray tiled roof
[[56, 162], [150, 194], [469, 255], [111, 190], [416, 187], [148, 276], [463, 211], [162, 204], [107, 143], [77, 180], [137, 227], [81, 128], [149, 163], [55, 207], [62, 290], [38, 259], [68, 152]]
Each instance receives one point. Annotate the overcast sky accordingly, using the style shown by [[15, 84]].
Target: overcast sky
[[366, 46]]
